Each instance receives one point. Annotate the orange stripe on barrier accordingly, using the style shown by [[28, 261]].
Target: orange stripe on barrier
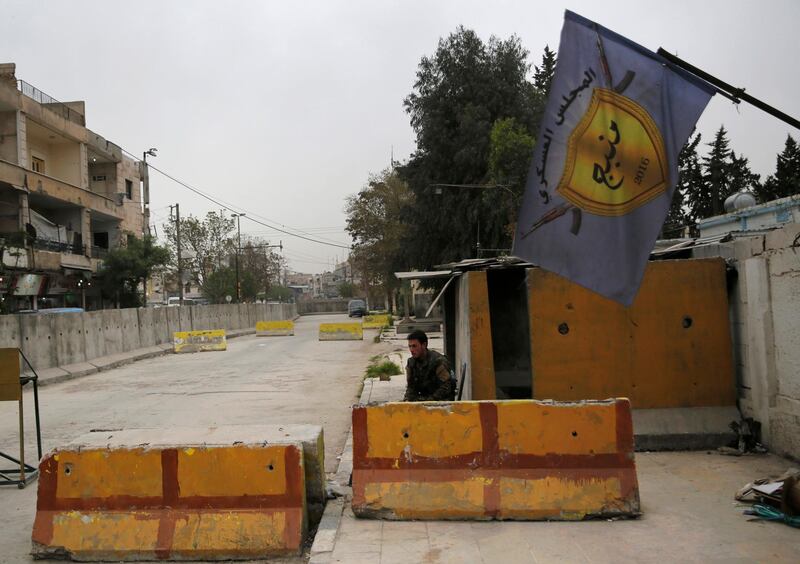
[[530, 462]]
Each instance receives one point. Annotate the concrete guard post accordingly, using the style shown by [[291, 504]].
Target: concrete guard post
[[375, 321], [523, 460], [274, 328], [341, 332], [199, 341], [235, 502]]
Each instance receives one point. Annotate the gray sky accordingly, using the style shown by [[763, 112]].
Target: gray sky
[[283, 108]]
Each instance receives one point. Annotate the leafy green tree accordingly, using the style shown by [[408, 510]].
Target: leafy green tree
[[127, 267], [511, 149], [207, 244], [375, 222], [261, 262], [347, 289], [786, 180], [279, 294], [461, 91], [219, 284]]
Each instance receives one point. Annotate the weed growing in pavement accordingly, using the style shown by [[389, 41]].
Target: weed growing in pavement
[[385, 368]]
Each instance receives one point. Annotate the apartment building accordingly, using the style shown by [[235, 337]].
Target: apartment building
[[67, 196]]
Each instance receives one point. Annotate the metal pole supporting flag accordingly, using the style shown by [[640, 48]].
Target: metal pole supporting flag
[[736, 94]]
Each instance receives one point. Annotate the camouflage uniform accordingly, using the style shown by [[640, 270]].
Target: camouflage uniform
[[428, 378]]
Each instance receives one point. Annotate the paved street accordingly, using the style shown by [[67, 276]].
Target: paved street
[[269, 380]]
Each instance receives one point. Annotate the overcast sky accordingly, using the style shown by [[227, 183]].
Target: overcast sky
[[282, 109]]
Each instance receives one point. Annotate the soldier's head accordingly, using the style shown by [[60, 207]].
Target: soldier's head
[[417, 343]]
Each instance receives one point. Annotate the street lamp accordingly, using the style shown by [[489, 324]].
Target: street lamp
[[238, 217]]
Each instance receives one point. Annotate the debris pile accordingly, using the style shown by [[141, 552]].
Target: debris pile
[[774, 499]]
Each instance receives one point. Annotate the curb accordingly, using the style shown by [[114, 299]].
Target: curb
[[325, 540]]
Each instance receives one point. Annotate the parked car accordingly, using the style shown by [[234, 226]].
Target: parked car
[[356, 308]]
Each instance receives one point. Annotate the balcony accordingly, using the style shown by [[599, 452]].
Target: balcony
[[56, 190], [50, 103], [58, 247]]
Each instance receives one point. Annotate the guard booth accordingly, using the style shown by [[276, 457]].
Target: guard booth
[[12, 382], [516, 331]]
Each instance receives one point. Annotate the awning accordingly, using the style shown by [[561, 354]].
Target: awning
[[425, 275]]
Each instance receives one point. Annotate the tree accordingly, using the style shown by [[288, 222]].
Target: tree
[[543, 76], [375, 222], [219, 284], [461, 91], [126, 267], [542, 79], [690, 184], [261, 262], [511, 149], [347, 289], [786, 180], [279, 294], [740, 177], [207, 244]]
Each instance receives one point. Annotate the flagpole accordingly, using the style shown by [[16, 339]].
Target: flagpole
[[736, 94]]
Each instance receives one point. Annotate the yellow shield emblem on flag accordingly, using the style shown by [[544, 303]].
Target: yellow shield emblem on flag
[[616, 160]]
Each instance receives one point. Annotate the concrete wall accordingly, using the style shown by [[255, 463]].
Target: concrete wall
[[670, 349], [473, 336], [69, 338], [765, 325], [309, 307]]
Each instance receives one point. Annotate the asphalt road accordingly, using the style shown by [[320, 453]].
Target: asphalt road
[[266, 380]]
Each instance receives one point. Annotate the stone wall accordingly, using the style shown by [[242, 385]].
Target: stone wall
[[49, 340], [765, 325]]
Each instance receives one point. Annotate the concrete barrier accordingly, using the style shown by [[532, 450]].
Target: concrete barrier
[[73, 338], [113, 501], [200, 341], [375, 321], [341, 332], [274, 328], [526, 460]]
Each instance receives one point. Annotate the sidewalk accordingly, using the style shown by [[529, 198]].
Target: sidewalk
[[687, 500]]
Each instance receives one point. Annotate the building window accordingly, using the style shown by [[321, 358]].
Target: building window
[[129, 189], [37, 165], [99, 178]]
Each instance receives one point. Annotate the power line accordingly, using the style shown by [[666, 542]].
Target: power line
[[233, 209]]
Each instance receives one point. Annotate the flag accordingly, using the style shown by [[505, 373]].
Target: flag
[[605, 163]]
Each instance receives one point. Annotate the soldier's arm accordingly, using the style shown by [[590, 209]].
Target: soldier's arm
[[410, 395], [445, 389]]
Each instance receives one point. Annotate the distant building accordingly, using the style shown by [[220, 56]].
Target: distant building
[[67, 196]]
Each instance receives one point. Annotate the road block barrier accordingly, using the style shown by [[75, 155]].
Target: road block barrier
[[274, 328], [236, 502], [341, 332], [199, 341], [525, 460], [375, 321]]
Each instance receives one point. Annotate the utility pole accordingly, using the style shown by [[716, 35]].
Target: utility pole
[[178, 248], [238, 217], [145, 174]]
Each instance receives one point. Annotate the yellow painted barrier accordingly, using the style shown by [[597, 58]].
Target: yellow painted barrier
[[198, 341], [274, 328], [188, 502], [525, 459], [341, 332], [375, 321]]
